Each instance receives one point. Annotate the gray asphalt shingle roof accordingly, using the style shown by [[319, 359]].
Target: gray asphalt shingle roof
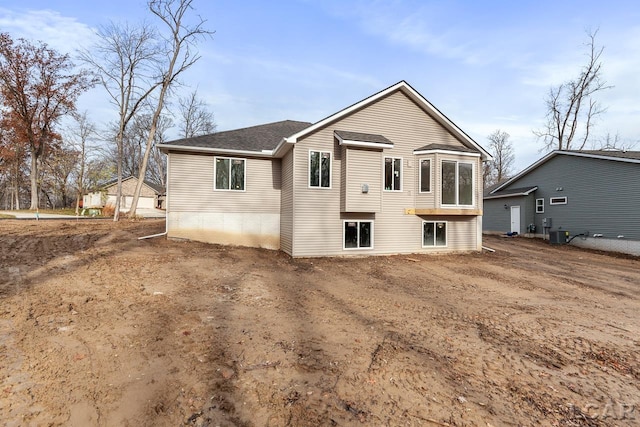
[[611, 153], [254, 138], [364, 137], [446, 147], [520, 191]]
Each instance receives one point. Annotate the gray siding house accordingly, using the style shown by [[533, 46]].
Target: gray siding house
[[389, 174], [595, 192]]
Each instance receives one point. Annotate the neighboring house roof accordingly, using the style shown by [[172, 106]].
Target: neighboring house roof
[[155, 187], [512, 192], [412, 94], [608, 154], [254, 139], [611, 155]]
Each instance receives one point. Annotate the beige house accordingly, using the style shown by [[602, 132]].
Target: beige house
[[389, 174], [151, 195]]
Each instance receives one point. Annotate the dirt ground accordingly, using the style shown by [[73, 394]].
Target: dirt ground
[[98, 328]]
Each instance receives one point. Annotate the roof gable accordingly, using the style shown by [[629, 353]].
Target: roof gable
[[412, 94], [610, 155], [155, 187]]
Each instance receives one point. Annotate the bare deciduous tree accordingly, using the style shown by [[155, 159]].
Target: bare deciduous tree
[[502, 151], [124, 59], [79, 137], [38, 86], [614, 143], [195, 118], [156, 167], [133, 147], [58, 165], [180, 41], [571, 107]]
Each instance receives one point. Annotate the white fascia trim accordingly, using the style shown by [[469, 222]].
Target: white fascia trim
[[282, 148], [524, 172], [504, 196], [349, 142], [263, 153], [455, 153], [599, 156], [444, 120], [294, 138]]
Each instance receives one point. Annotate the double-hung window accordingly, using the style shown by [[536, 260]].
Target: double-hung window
[[358, 234], [425, 175], [392, 174], [320, 169], [457, 183], [539, 205], [434, 233], [229, 173]]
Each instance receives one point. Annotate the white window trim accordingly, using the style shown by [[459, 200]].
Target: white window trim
[[344, 222], [215, 174], [563, 202], [446, 235], [320, 187], [420, 176], [401, 173], [541, 205], [473, 186]]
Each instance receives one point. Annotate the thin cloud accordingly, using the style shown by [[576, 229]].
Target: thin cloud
[[419, 26], [62, 33]]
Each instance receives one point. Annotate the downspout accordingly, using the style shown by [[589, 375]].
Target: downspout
[[166, 215], [154, 235]]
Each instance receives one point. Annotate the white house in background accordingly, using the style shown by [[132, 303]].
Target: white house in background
[[151, 195]]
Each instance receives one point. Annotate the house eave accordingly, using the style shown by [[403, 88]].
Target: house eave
[[282, 148], [449, 152], [504, 196], [208, 150], [352, 143]]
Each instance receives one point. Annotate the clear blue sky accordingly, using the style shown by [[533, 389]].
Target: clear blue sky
[[485, 64]]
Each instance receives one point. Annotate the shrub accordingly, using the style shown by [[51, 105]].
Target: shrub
[[108, 210]]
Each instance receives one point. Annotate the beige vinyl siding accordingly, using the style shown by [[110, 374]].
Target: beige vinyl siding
[[192, 186], [286, 213], [425, 200], [147, 199], [198, 212], [317, 219], [129, 187], [362, 167], [343, 182]]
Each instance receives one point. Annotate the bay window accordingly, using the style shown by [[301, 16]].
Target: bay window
[[457, 183]]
